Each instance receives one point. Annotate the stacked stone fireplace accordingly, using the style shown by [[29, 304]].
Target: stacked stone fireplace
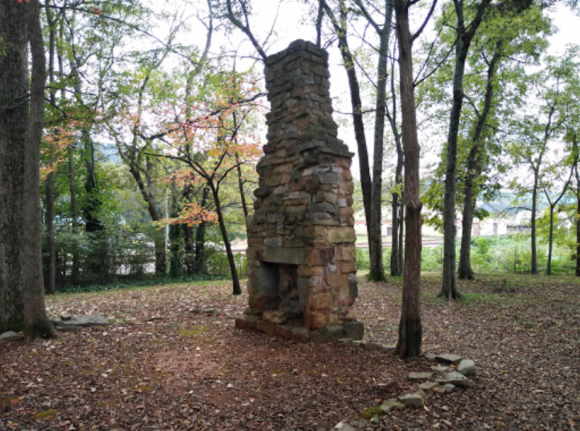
[[301, 252]]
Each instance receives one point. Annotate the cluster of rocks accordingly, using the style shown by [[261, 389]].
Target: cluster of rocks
[[63, 323], [450, 372], [301, 251]]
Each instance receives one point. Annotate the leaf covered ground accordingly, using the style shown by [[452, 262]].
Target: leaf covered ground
[[172, 360]]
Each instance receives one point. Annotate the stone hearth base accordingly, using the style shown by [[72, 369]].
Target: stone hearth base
[[352, 329]]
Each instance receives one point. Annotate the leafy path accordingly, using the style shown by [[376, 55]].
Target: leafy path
[[173, 361]]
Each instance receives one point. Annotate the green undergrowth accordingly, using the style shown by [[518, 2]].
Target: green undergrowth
[[143, 284]]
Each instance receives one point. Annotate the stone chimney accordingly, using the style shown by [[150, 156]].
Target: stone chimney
[[301, 239]]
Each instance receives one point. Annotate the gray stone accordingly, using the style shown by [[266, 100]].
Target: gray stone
[[443, 389], [440, 369], [354, 330], [344, 426], [10, 335], [448, 358], [428, 386], [294, 256], [414, 400], [420, 375], [454, 378], [466, 367], [391, 404], [90, 320]]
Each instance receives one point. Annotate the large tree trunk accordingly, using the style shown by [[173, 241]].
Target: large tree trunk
[[21, 285], [410, 328]]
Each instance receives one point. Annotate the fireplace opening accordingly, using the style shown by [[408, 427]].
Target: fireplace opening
[[286, 304]]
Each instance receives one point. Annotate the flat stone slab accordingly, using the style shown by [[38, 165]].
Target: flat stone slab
[[344, 426], [391, 404], [440, 368], [10, 336], [414, 400], [446, 388], [454, 378], [466, 367], [420, 375], [89, 320], [448, 358], [428, 386]]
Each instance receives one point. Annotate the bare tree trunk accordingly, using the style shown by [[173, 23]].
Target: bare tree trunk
[[410, 328], [550, 242], [533, 238], [49, 190], [465, 34], [397, 214], [35, 318], [175, 259], [50, 240], [199, 262], [237, 290], [474, 168], [577, 220], [465, 271], [356, 103], [74, 211], [377, 271]]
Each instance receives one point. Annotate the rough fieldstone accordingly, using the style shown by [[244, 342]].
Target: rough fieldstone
[[354, 330], [391, 404], [440, 369], [454, 378], [414, 400], [10, 335], [344, 426], [466, 367], [420, 375], [89, 320], [428, 386], [448, 358], [443, 389]]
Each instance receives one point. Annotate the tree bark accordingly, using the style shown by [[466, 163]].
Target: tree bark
[[356, 103], [474, 168], [533, 239], [377, 271], [21, 110], [74, 212], [577, 222], [237, 290], [410, 328], [199, 262], [464, 37]]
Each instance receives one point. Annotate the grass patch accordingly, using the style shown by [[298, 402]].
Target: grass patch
[[193, 332], [139, 285]]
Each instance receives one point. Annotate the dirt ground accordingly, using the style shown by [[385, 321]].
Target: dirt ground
[[172, 360]]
